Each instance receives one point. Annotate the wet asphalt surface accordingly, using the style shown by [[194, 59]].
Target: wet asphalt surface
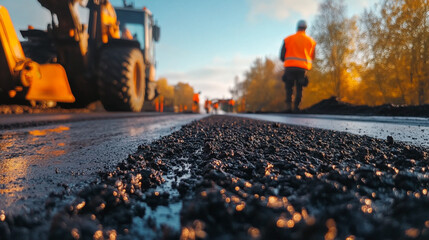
[[58, 159], [234, 178], [410, 130]]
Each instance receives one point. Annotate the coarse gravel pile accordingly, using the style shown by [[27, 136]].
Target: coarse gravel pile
[[236, 178]]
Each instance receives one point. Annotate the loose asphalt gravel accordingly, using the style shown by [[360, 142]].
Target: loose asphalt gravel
[[235, 178]]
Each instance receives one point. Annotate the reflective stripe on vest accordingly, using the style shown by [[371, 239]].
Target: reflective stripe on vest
[[298, 59], [299, 50]]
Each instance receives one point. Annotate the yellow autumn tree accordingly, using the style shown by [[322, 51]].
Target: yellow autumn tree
[[166, 91], [183, 93], [262, 89], [334, 33], [397, 46]]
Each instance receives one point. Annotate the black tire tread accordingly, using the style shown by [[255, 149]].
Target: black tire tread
[[115, 64]]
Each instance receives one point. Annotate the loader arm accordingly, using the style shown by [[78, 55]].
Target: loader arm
[[69, 24], [103, 24], [77, 45]]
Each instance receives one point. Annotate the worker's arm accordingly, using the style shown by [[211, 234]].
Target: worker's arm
[[283, 52]]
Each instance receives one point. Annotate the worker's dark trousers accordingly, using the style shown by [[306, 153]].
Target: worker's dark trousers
[[294, 77]]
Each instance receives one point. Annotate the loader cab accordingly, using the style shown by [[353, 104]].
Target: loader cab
[[139, 25]]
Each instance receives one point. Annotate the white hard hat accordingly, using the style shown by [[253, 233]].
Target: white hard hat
[[302, 24]]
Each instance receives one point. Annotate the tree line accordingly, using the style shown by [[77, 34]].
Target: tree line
[[174, 98], [378, 57]]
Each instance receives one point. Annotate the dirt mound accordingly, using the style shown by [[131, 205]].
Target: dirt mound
[[333, 106]]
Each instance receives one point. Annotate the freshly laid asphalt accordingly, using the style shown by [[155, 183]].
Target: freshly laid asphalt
[[68, 151], [411, 130], [226, 177]]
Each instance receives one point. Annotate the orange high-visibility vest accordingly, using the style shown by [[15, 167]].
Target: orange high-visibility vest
[[196, 98], [299, 50]]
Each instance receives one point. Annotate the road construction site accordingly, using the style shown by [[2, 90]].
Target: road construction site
[[191, 176], [86, 151]]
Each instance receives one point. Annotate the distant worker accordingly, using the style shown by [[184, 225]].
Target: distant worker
[[231, 104], [207, 106], [298, 52], [196, 103], [210, 106], [215, 107]]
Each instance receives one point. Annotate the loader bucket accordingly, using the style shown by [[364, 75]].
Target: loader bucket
[[51, 85]]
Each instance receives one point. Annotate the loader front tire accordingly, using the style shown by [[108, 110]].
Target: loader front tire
[[122, 82]]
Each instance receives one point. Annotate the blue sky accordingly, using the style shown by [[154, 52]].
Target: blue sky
[[206, 43]]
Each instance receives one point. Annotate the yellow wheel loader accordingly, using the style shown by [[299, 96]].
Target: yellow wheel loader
[[111, 59]]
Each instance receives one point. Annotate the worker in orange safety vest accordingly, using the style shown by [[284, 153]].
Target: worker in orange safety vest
[[231, 104], [216, 106], [298, 52], [196, 103], [207, 106], [210, 106]]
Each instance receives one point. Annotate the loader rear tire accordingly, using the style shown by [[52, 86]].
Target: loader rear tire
[[122, 82]]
